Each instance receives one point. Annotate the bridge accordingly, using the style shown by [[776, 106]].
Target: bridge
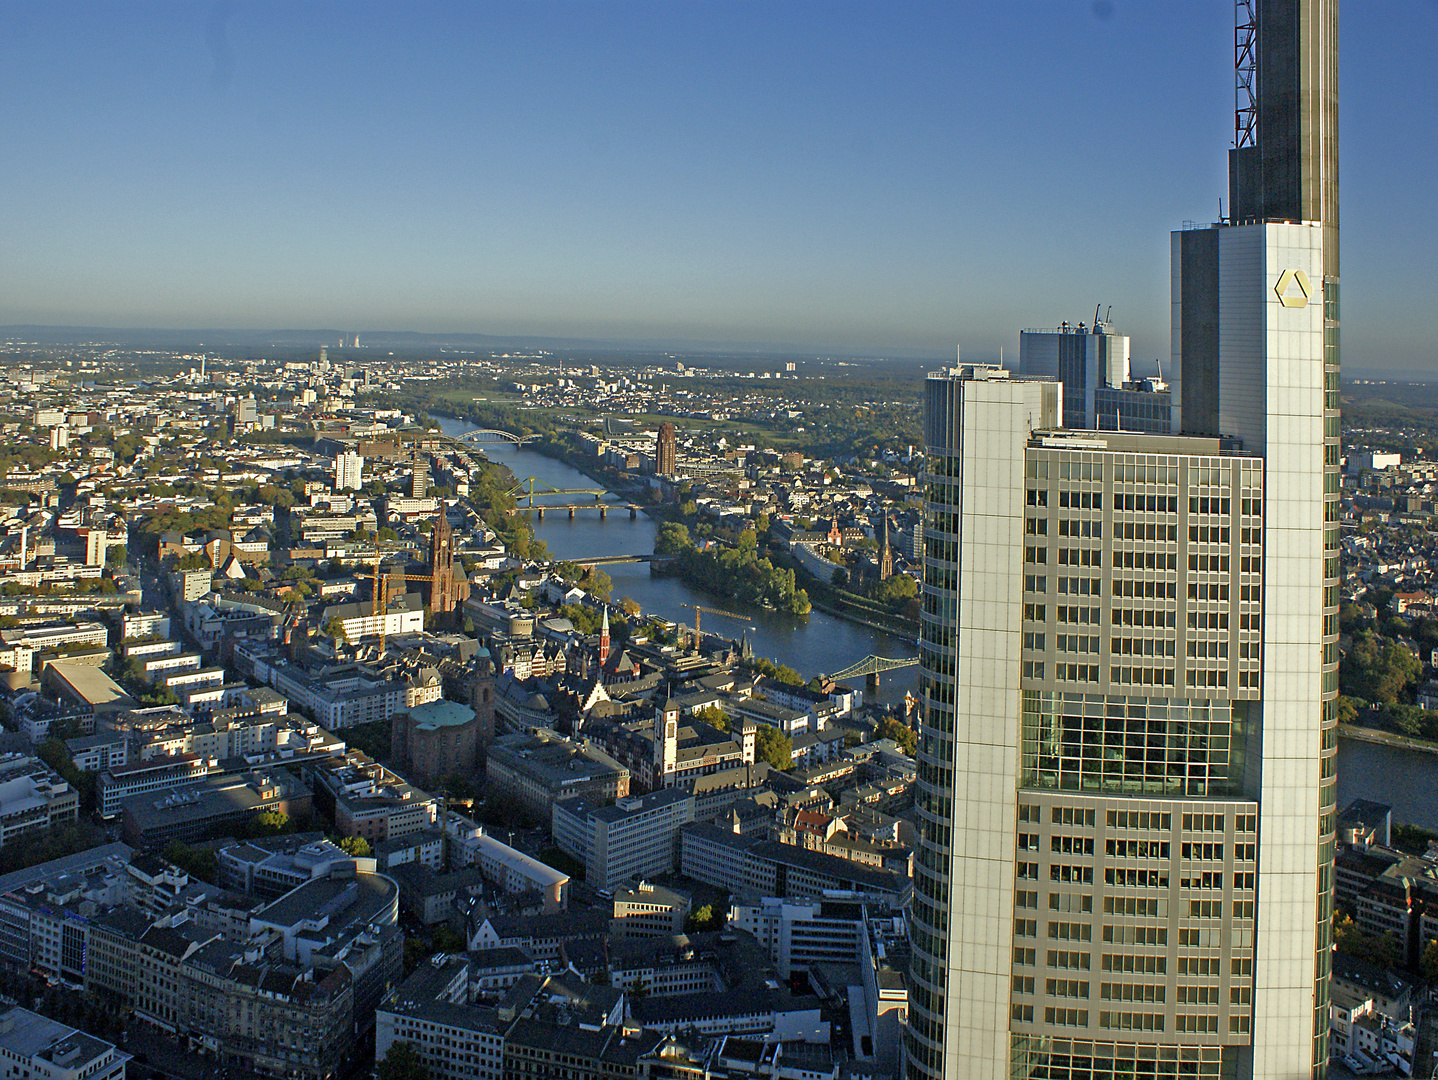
[[538, 510], [872, 666], [493, 435], [531, 486], [656, 562]]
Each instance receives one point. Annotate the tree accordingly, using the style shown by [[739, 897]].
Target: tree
[[335, 628], [1384, 950], [598, 583], [902, 734], [198, 862], [402, 1062], [704, 919], [116, 555], [1378, 668], [630, 606], [839, 578], [773, 746], [357, 846], [671, 538], [714, 716], [1428, 962]]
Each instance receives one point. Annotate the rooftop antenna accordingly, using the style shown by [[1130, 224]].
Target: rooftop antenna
[[1095, 314], [1220, 209], [1108, 315], [1001, 356]]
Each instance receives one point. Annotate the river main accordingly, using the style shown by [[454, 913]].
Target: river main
[[819, 642], [810, 644]]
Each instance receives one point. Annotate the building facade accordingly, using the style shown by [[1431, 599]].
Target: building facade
[[666, 452], [1125, 769]]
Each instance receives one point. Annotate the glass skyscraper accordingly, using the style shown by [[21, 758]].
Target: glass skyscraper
[[1129, 664]]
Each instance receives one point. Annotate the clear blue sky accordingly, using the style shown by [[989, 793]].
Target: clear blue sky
[[872, 176]]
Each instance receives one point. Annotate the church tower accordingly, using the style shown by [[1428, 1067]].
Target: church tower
[[442, 592], [666, 744]]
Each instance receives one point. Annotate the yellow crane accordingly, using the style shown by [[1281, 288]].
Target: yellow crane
[[376, 593], [712, 611]]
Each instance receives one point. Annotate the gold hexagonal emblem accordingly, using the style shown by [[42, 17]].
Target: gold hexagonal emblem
[[1288, 295]]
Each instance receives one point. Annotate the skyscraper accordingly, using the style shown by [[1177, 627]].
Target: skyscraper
[[1128, 662], [665, 451], [1099, 391], [349, 471]]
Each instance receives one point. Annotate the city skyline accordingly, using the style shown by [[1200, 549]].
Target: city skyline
[[798, 177]]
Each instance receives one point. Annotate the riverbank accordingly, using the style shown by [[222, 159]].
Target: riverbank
[[1386, 738]]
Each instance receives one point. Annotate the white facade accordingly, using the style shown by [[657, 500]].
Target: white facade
[[1272, 398], [349, 471], [1127, 630], [635, 838], [35, 1046]]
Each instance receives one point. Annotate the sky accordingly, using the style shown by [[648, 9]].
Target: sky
[[874, 178]]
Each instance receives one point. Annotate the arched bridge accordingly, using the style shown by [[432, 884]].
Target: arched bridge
[[493, 435], [872, 666]]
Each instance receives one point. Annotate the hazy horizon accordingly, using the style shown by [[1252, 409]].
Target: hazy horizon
[[796, 178]]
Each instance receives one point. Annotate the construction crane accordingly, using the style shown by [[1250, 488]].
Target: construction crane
[[376, 593], [712, 611]]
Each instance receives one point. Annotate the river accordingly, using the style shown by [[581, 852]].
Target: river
[[1405, 780], [818, 642], [810, 644]]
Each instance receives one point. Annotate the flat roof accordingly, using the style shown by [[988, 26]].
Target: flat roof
[[91, 685], [346, 901], [30, 1035]]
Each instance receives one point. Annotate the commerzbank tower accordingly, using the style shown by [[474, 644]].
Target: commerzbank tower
[[1129, 650]]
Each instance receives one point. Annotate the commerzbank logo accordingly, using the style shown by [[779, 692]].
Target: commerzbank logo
[[1292, 288]]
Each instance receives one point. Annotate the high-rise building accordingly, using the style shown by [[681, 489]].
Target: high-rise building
[[349, 471], [1099, 391], [1128, 662], [666, 453]]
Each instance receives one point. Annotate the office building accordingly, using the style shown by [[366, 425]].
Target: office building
[[647, 910], [349, 471], [32, 797], [1093, 365], [512, 870], [1125, 768], [540, 768], [666, 454], [35, 1046], [189, 813], [631, 839]]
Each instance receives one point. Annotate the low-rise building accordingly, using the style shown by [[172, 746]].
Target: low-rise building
[[190, 813], [539, 769], [762, 867], [33, 797], [648, 910], [35, 1046], [512, 870], [432, 1012]]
